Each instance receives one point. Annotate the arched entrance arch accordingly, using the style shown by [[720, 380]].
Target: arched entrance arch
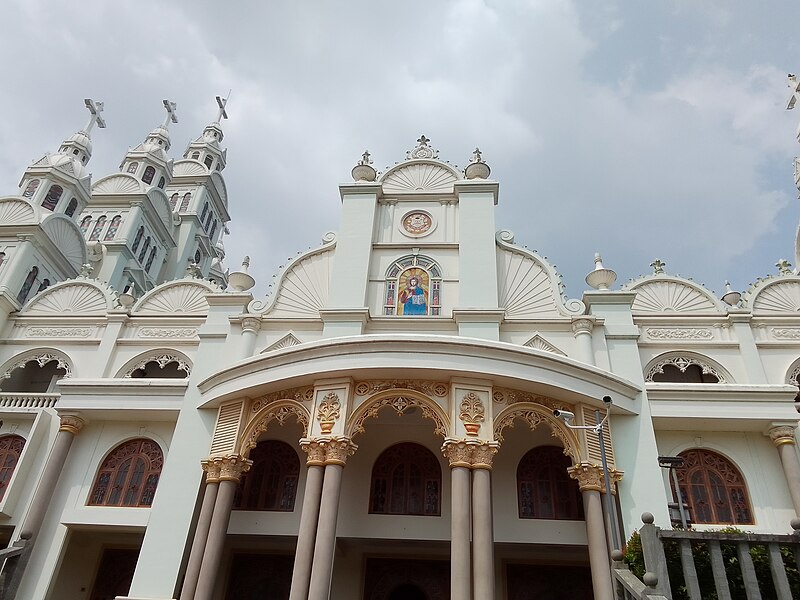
[[400, 399], [278, 410], [534, 415]]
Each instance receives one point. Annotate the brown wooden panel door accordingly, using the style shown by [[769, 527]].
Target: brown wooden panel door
[[115, 573], [546, 582]]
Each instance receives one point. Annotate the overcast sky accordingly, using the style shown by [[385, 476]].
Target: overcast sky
[[638, 129]]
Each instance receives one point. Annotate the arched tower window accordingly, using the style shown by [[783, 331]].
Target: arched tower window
[[204, 213], [113, 228], [30, 190], [44, 285], [148, 174], [132, 167], [98, 228], [53, 196], [144, 249], [10, 450], [187, 197], [406, 480], [161, 183], [173, 201], [209, 160], [196, 155], [544, 488], [213, 229], [413, 287], [150, 259], [129, 475], [87, 220], [27, 285], [271, 482], [71, 207], [138, 239], [713, 488], [207, 224]]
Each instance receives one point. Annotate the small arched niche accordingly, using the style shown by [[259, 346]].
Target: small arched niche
[[36, 375]]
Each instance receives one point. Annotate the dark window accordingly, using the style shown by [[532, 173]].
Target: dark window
[[713, 488], [187, 197], [196, 155], [43, 286], [33, 377], [71, 207], [144, 249], [197, 257], [150, 259], [132, 167], [271, 482], [170, 369], [31, 189], [691, 374], [10, 450], [173, 201], [129, 475], [98, 228], [209, 161], [148, 174], [406, 480], [213, 229], [161, 183], [544, 488], [27, 285], [204, 213], [113, 228], [138, 239], [53, 196]]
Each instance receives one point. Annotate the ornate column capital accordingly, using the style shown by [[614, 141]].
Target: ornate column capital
[[212, 469], [229, 468], [483, 454], [251, 324], [582, 325], [588, 476], [338, 449], [471, 454], [315, 451], [71, 423], [782, 434]]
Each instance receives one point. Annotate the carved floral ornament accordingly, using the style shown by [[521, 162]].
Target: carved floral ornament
[[280, 411], [226, 468], [328, 451], [472, 413], [683, 362], [679, 333], [470, 453], [508, 396], [400, 403], [439, 389], [41, 359], [534, 415], [328, 412], [783, 434], [298, 394], [590, 477], [162, 360]]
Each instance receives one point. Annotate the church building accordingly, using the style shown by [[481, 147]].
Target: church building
[[415, 412]]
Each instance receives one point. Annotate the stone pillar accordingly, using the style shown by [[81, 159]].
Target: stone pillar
[[212, 470], [231, 469], [590, 481], [783, 436], [459, 455], [250, 329], [336, 452], [582, 330], [482, 524], [307, 534], [68, 429]]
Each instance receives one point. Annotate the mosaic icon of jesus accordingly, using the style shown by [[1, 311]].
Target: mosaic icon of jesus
[[412, 299]]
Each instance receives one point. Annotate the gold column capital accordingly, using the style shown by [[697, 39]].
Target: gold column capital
[[328, 450], [782, 434], [315, 452], [470, 453], [212, 470], [589, 476], [71, 423], [226, 468]]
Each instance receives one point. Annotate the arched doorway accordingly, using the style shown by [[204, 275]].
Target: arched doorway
[[407, 591]]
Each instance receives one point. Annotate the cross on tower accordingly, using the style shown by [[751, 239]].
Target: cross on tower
[[221, 102], [95, 108], [794, 85], [170, 107]]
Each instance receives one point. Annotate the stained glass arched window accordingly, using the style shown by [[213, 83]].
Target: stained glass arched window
[[713, 488], [148, 174], [161, 183], [406, 480], [413, 287], [85, 222], [98, 228], [187, 197], [150, 259], [10, 450], [138, 239], [173, 201], [71, 207], [27, 285], [129, 475], [271, 482], [544, 488], [144, 249], [132, 167], [113, 227], [53, 196], [30, 190]]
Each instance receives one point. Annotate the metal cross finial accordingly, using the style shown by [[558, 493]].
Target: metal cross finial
[[365, 158], [476, 156], [171, 108], [95, 108], [423, 141], [658, 266], [221, 102]]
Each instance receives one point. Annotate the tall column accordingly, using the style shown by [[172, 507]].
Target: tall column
[[459, 455], [68, 429], [783, 436], [231, 470], [212, 470], [590, 481], [306, 536], [482, 523], [336, 452], [250, 329], [582, 330]]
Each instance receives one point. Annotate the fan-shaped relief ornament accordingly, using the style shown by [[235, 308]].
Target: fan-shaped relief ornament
[[71, 298], [472, 413], [16, 212], [183, 298], [780, 297], [162, 360], [66, 236], [287, 341], [683, 362], [671, 296], [419, 177], [537, 342], [40, 359], [119, 183], [188, 167]]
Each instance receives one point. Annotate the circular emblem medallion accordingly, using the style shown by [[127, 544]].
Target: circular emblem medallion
[[417, 223]]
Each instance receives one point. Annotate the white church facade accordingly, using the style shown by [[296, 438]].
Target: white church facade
[[381, 426]]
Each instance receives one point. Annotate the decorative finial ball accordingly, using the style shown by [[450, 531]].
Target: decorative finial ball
[[650, 579], [363, 171], [795, 523], [648, 518], [617, 555]]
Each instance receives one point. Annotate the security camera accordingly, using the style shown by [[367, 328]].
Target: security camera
[[607, 400], [564, 414]]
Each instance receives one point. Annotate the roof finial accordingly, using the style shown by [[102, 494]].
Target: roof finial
[[731, 298], [172, 117], [600, 278], [794, 85], [477, 167], [658, 266], [222, 102], [95, 108], [784, 267], [363, 171], [422, 150]]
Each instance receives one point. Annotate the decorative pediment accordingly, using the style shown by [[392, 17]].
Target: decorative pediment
[[73, 297], [182, 297], [14, 211], [420, 176], [189, 168], [670, 294], [302, 289], [528, 286], [286, 341], [118, 183], [66, 236], [775, 295], [537, 342]]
